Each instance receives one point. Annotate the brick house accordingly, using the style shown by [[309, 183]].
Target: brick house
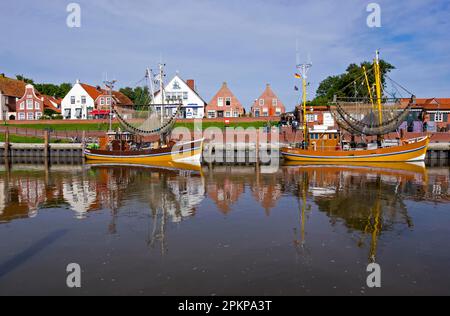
[[224, 104], [268, 104], [10, 91], [32, 104]]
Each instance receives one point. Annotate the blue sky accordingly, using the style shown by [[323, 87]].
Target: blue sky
[[246, 43]]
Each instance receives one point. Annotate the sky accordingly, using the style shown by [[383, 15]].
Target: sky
[[245, 43]]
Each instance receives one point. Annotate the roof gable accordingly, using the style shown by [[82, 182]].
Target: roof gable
[[224, 91]]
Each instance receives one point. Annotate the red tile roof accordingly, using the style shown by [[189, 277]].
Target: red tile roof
[[268, 96], [224, 93], [93, 92], [12, 87]]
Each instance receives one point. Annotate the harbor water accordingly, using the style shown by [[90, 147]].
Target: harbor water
[[224, 230]]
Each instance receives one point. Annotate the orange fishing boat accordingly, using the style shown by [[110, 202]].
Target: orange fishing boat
[[363, 117]]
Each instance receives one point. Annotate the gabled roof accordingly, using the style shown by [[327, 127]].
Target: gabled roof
[[12, 87], [268, 94], [182, 80], [430, 103], [224, 91], [50, 102], [93, 92]]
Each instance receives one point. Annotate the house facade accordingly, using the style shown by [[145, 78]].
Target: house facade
[[224, 104], [268, 104], [88, 102], [32, 104], [10, 91], [176, 91]]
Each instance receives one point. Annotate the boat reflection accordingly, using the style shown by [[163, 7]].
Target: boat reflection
[[368, 199]]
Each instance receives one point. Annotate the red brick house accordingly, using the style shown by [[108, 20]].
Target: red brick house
[[268, 104], [224, 104], [32, 104]]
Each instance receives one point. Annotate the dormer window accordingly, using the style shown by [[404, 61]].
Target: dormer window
[[261, 102]]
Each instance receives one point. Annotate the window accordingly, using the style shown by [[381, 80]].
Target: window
[[257, 113], [439, 117], [228, 101], [29, 104], [220, 102], [21, 116], [278, 111], [195, 111], [108, 101], [185, 95], [261, 102], [83, 99], [310, 118], [265, 112], [211, 114], [30, 116], [102, 101], [29, 96], [22, 105], [37, 105], [227, 114], [38, 115], [275, 102], [236, 114]]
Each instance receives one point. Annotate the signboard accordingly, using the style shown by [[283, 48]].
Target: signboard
[[328, 119]]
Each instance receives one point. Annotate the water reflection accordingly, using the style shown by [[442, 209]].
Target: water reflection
[[366, 199]]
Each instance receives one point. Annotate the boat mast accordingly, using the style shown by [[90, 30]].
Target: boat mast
[[304, 69], [161, 89], [110, 86], [378, 86]]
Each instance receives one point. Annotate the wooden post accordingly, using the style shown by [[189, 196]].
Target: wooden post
[[46, 144], [6, 150]]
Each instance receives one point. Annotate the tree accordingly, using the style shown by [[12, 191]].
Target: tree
[[139, 96], [24, 79], [343, 85]]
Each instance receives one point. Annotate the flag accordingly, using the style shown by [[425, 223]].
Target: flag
[[298, 76]]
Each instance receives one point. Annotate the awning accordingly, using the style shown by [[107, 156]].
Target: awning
[[99, 112]]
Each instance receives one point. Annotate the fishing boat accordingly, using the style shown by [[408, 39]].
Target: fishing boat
[[372, 116], [147, 130]]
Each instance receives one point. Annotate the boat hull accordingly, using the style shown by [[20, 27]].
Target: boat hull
[[415, 150], [188, 153]]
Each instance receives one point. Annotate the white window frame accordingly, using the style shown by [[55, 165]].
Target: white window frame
[[275, 102], [38, 115], [261, 102], [30, 116], [29, 104], [21, 116], [220, 102], [439, 117], [37, 105], [22, 105], [227, 114], [83, 99], [108, 101], [211, 114], [72, 100]]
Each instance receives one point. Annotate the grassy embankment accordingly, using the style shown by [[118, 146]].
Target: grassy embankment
[[104, 126], [27, 139]]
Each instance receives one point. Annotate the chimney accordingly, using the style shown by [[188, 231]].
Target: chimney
[[225, 85], [191, 84]]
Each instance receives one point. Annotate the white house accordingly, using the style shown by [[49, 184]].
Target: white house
[[178, 89], [79, 102], [88, 102]]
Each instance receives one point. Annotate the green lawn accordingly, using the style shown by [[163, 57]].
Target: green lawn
[[66, 127], [104, 126], [27, 139]]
